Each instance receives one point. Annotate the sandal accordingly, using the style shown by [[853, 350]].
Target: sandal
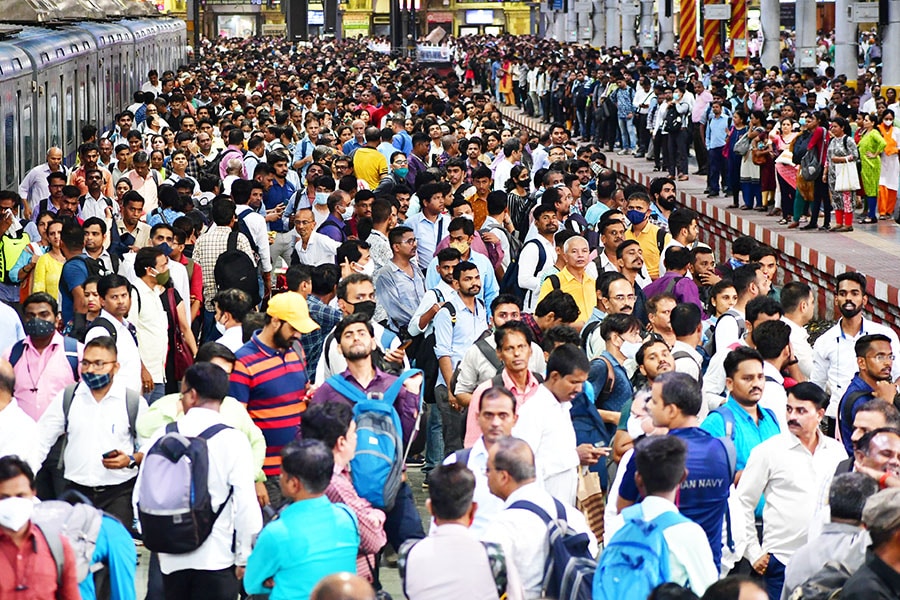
[[682, 177], [783, 222], [868, 221]]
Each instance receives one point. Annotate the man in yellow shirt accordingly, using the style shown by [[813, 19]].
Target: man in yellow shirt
[[573, 280], [651, 238], [369, 164]]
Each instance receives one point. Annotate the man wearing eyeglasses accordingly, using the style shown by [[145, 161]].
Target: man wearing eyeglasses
[[875, 359], [97, 416]]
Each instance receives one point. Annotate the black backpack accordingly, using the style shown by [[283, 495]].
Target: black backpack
[[422, 356], [234, 269], [212, 167]]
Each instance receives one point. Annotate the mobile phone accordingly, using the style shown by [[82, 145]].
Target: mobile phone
[[8, 213], [405, 345], [111, 454], [600, 446]]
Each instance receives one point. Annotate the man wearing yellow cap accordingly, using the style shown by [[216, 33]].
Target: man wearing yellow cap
[[269, 377]]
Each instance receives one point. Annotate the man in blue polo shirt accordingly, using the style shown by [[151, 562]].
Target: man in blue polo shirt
[[279, 195], [875, 359], [703, 498], [741, 418]]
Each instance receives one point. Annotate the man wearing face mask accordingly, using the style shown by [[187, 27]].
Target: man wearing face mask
[[834, 353], [274, 392], [339, 206], [651, 237], [97, 417], [461, 234], [356, 294], [23, 543]]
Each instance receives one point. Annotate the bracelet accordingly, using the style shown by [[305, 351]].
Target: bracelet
[[882, 483]]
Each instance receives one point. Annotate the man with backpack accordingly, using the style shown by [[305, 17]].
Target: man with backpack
[[674, 404], [524, 526], [523, 277], [30, 559], [248, 197], [76, 270], [97, 416], [749, 283], [656, 544], [481, 570], [115, 300], [355, 337], [203, 543]]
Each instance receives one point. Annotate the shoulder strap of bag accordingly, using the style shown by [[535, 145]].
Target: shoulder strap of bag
[[489, 353], [56, 550], [232, 241], [345, 388], [16, 352], [70, 347]]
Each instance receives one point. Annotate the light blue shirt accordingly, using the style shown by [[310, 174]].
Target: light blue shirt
[[490, 289], [386, 149], [10, 327], [595, 212], [115, 549], [717, 130], [428, 235], [747, 434], [310, 540], [453, 339], [398, 293]]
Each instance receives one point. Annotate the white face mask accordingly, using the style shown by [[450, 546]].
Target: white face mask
[[348, 212], [629, 349], [15, 512], [220, 328], [366, 269]]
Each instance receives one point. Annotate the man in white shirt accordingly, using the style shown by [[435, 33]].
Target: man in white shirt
[[115, 300], [799, 309], [834, 353], [661, 470], [248, 198], [218, 564], [100, 455], [452, 542], [535, 257], [546, 425], [18, 431], [772, 341], [232, 306], [512, 154], [789, 469], [34, 186], [688, 328], [496, 418], [423, 318], [313, 248], [522, 533]]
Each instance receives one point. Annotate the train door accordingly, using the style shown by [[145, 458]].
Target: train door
[[25, 131], [40, 108]]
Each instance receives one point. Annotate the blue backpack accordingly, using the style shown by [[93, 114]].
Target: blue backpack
[[510, 282], [377, 466], [636, 560], [570, 567]]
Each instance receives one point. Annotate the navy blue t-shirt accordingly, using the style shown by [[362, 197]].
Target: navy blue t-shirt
[[74, 274], [703, 496]]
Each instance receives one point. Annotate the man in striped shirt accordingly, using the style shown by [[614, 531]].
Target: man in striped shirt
[[270, 378]]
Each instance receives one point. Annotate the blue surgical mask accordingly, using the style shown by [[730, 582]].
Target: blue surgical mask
[[735, 263], [802, 121], [321, 198], [636, 217]]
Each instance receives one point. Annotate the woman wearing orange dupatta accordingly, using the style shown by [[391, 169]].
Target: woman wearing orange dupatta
[[890, 166]]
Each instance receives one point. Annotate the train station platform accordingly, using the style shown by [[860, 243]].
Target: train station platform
[[815, 257]]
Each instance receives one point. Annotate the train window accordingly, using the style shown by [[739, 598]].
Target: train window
[[54, 120], [70, 116], [9, 142], [27, 140]]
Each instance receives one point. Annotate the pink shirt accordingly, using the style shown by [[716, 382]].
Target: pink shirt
[[40, 376], [473, 431]]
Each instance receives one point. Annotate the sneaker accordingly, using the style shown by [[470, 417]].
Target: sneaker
[[415, 461], [425, 484]]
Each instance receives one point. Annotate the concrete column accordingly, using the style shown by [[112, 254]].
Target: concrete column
[[666, 28], [583, 23], [890, 70], [846, 57], [770, 19], [805, 56], [598, 22], [647, 33], [613, 27], [629, 33]]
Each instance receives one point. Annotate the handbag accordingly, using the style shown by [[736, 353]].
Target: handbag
[[181, 354], [846, 177], [742, 146], [590, 501], [811, 164], [760, 157]]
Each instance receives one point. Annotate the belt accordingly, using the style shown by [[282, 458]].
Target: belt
[[100, 489]]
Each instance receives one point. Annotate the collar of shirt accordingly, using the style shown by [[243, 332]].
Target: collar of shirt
[[259, 344], [526, 492], [376, 383], [769, 370], [530, 385], [740, 413]]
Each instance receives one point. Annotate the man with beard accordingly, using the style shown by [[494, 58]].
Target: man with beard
[[248, 197], [269, 377], [662, 191], [356, 338], [453, 336], [834, 353], [875, 361]]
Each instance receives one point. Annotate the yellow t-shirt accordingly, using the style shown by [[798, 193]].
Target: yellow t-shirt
[[370, 165], [584, 292]]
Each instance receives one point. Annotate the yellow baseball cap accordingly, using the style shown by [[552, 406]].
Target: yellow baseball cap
[[292, 307]]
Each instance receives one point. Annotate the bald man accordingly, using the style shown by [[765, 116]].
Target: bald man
[[34, 186], [343, 586]]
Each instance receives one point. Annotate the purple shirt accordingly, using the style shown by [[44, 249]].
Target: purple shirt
[[684, 289], [406, 404], [416, 166]]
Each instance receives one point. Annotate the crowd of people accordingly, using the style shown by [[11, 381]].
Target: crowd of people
[[290, 276]]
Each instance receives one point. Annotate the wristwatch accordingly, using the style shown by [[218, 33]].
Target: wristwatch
[[133, 464]]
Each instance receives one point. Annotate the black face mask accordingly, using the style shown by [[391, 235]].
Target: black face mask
[[188, 250], [366, 307]]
